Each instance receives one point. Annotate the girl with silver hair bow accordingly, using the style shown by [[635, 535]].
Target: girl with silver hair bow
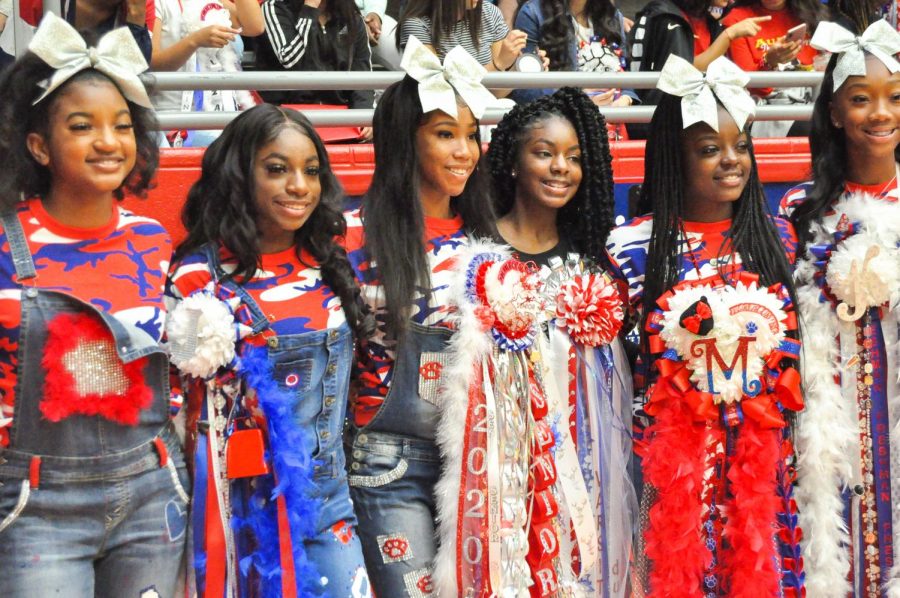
[[706, 273], [848, 279], [92, 478]]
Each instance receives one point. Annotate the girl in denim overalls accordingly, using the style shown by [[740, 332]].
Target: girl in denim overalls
[[273, 514], [427, 197], [92, 498]]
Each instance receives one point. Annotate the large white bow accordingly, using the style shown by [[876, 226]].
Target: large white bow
[[460, 72], [879, 39], [698, 92], [117, 56]]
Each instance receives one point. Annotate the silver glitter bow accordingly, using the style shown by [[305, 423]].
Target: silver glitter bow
[[879, 39], [698, 92], [117, 56], [460, 72]]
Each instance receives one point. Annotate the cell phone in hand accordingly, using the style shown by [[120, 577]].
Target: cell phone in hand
[[796, 34]]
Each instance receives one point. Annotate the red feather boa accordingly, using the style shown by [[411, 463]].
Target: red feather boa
[[674, 467], [749, 564]]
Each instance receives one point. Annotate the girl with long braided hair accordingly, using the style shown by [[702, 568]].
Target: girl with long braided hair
[[552, 177], [706, 271], [261, 265]]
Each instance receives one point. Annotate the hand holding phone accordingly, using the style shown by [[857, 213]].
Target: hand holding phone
[[796, 34]]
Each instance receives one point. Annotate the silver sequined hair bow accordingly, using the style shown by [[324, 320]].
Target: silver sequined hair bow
[[438, 84], [117, 56], [698, 92], [879, 39]]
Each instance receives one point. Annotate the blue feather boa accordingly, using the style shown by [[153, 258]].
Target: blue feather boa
[[294, 471]]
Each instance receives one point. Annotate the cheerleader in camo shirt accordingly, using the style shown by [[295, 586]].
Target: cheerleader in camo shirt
[[273, 514], [848, 280], [707, 276]]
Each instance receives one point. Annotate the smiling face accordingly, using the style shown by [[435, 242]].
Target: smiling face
[[448, 151], [286, 188], [89, 146], [716, 169], [549, 164], [867, 109]]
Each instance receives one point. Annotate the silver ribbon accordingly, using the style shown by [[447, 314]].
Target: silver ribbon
[[439, 84], [698, 92], [117, 56], [879, 39]]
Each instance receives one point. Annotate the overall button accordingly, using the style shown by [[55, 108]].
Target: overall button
[[332, 335], [859, 490], [31, 292], [272, 342], [357, 454], [329, 400], [325, 435], [354, 466], [331, 369], [362, 439]]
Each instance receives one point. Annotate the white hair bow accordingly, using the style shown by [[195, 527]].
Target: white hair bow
[[438, 84], [698, 92], [117, 56], [879, 39]]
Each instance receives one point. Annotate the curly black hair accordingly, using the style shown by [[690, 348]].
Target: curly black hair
[[21, 174], [828, 148], [220, 207], [859, 13], [589, 216], [557, 31]]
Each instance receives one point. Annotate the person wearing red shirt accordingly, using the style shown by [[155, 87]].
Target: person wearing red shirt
[[768, 49]]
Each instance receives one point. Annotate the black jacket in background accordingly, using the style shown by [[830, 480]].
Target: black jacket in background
[[295, 41], [660, 29]]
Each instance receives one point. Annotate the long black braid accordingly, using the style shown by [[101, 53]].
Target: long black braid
[[558, 35], [588, 217], [753, 235]]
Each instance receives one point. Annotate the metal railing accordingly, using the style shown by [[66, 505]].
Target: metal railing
[[316, 80]]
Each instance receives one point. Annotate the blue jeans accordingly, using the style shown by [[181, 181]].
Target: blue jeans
[[392, 482], [93, 531]]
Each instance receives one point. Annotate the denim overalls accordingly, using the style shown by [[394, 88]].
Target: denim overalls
[[88, 506], [315, 368], [395, 465]]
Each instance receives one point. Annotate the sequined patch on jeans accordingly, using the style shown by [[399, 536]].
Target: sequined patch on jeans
[[343, 532], [394, 548], [96, 368], [418, 583], [431, 370]]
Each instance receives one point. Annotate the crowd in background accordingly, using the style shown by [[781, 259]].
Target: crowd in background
[[362, 35]]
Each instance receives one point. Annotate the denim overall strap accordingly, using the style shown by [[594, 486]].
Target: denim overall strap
[[259, 321], [18, 245], [411, 407]]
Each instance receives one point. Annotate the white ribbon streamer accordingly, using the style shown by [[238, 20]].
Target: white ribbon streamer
[[879, 39], [698, 92], [439, 84], [117, 56]]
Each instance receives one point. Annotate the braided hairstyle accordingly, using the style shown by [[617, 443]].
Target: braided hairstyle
[[557, 32], [221, 209], [588, 217], [752, 234], [861, 13], [19, 116], [828, 148]]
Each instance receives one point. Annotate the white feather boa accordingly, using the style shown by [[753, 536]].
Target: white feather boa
[[827, 435], [467, 348]]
